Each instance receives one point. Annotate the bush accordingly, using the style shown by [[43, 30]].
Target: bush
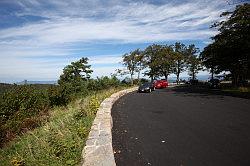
[[103, 83], [25, 107], [58, 95], [19, 108]]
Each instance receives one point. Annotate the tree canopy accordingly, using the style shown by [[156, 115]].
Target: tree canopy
[[231, 46], [180, 59], [133, 62], [194, 64], [76, 72], [163, 60]]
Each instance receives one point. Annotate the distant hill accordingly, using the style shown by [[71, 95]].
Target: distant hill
[[36, 82]]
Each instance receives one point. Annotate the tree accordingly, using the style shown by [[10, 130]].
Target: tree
[[160, 60], [231, 47], [165, 61], [193, 62], [139, 62], [76, 72], [130, 61], [208, 58], [180, 59], [150, 55]]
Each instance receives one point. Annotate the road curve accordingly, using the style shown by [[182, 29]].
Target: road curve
[[179, 126]]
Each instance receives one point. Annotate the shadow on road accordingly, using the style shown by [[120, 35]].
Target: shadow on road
[[205, 92]]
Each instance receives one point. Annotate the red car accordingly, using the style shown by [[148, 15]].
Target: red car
[[158, 84]]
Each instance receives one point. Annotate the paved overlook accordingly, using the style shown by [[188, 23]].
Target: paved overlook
[[181, 126]]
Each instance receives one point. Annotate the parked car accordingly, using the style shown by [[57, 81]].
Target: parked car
[[160, 84], [214, 83], [146, 87]]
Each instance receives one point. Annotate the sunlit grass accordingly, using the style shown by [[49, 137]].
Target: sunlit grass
[[61, 139], [238, 89]]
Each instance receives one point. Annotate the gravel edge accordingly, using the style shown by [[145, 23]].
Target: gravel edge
[[98, 150]]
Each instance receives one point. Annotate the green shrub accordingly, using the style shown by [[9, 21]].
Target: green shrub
[[58, 95], [103, 83], [24, 107], [19, 108]]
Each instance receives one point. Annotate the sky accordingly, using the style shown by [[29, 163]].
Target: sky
[[39, 38]]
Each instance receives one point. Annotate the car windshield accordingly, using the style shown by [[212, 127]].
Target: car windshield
[[146, 84]]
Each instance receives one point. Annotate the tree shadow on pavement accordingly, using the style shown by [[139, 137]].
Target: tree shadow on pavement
[[205, 92]]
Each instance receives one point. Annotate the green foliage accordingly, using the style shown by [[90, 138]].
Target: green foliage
[[19, 108], [150, 60], [194, 64], [160, 59], [103, 83], [58, 95], [76, 72], [93, 106], [5, 87], [180, 59], [61, 139], [133, 62], [231, 47], [25, 107]]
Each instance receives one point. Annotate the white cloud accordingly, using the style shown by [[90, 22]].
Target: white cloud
[[134, 22], [89, 21], [106, 59]]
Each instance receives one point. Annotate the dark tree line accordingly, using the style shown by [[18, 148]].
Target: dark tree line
[[231, 46]]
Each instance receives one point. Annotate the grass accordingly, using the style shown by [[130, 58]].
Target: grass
[[60, 140], [243, 92], [238, 89]]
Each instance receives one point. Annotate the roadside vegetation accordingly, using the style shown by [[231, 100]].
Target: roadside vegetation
[[48, 124], [5, 87], [61, 138]]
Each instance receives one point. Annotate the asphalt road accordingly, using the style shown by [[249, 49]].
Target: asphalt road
[[181, 127]]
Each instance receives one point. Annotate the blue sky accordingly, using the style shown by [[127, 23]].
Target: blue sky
[[38, 38]]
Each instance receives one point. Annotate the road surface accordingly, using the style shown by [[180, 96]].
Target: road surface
[[182, 127]]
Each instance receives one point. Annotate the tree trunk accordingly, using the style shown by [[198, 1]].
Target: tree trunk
[[139, 77], [178, 76], [131, 77], [212, 73], [166, 76], [152, 78], [178, 72], [235, 80]]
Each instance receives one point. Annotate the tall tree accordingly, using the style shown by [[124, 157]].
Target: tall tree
[[193, 62], [76, 72], [139, 62], [180, 59], [150, 60], [130, 61], [231, 47], [165, 61], [160, 60], [208, 58]]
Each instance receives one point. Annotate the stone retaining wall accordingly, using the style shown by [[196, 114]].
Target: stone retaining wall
[[98, 150]]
